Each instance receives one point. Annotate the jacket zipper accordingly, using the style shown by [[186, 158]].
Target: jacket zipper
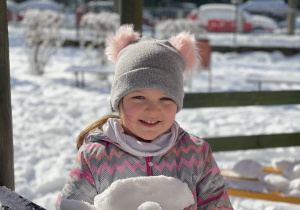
[[149, 166]]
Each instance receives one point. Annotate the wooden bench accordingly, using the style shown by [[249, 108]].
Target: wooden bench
[[95, 69], [261, 80]]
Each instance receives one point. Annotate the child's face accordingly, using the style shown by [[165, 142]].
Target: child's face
[[147, 113]]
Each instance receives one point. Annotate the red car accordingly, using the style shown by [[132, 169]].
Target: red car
[[215, 25], [221, 18]]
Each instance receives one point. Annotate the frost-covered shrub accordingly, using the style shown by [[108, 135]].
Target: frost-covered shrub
[[95, 27], [42, 28], [167, 28]]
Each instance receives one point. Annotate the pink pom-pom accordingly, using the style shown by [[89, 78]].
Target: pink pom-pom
[[186, 45], [121, 39]]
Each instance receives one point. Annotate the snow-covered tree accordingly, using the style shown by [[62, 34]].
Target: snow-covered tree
[[167, 28], [95, 27], [43, 38]]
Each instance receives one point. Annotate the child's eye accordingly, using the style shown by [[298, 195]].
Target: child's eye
[[138, 97], [166, 99]]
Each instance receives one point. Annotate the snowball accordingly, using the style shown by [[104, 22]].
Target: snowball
[[293, 193], [295, 184], [283, 163], [296, 170], [292, 173], [248, 168], [132, 192], [149, 206], [294, 188], [274, 182]]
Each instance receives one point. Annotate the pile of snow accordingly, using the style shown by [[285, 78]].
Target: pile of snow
[[288, 183], [248, 168], [141, 193]]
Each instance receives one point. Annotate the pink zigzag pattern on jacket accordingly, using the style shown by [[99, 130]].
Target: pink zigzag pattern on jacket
[[184, 150], [185, 140], [212, 198], [205, 147], [112, 153], [188, 163], [120, 168], [81, 175], [213, 170], [99, 144]]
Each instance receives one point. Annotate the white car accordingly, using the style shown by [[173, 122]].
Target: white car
[[262, 24]]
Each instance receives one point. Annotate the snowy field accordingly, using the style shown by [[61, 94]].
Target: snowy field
[[49, 112]]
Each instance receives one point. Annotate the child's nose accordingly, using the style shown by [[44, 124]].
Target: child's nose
[[152, 106]]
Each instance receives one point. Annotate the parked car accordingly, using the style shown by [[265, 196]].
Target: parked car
[[225, 18], [262, 24], [276, 9], [93, 6], [221, 18]]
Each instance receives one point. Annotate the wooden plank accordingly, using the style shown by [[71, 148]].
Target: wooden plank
[[275, 196], [230, 174], [245, 188], [225, 99], [239, 49], [253, 142], [292, 80], [6, 138]]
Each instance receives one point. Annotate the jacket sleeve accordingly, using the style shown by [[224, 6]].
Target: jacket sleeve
[[211, 191], [80, 184]]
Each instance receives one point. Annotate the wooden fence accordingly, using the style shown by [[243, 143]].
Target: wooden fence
[[232, 99]]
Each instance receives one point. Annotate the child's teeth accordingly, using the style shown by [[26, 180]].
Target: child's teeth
[[150, 122]]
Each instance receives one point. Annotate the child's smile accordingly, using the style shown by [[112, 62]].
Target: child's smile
[[149, 123]]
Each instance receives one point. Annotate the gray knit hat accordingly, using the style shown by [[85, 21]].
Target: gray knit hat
[[145, 63]]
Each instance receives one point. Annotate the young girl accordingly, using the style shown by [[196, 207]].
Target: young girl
[[145, 139]]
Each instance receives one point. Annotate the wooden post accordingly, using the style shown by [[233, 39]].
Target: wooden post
[[131, 12], [6, 137], [291, 17]]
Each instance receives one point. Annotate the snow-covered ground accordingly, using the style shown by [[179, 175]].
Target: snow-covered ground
[[49, 112]]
